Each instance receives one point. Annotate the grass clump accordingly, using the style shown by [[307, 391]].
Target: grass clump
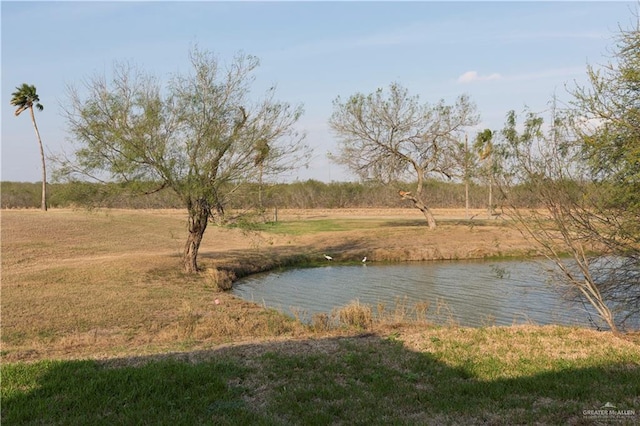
[[355, 315], [219, 279]]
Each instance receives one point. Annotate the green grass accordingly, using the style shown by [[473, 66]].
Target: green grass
[[85, 392], [325, 225], [359, 380]]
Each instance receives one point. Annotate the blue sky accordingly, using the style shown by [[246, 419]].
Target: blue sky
[[504, 55]]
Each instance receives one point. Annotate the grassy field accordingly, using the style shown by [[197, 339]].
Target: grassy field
[[99, 326]]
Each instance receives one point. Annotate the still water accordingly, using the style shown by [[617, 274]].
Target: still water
[[469, 293]]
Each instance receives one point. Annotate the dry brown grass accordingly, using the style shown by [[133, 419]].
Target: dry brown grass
[[79, 283], [355, 314], [542, 346]]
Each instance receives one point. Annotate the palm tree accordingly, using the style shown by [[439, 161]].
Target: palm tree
[[484, 146], [25, 97]]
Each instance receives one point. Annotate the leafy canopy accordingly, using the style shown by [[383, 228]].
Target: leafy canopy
[[25, 97], [201, 133]]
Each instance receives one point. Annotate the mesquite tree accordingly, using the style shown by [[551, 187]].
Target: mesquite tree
[[606, 118], [583, 168], [545, 165], [392, 135], [201, 136]]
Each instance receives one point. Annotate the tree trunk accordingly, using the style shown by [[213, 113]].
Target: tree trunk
[[490, 207], [431, 220], [199, 212], [44, 166], [466, 199], [417, 202], [466, 176], [260, 188]]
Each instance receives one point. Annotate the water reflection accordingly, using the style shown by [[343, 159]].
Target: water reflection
[[466, 292]]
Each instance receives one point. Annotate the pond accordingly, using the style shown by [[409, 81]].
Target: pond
[[467, 293]]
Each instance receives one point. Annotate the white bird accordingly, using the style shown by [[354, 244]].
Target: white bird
[[328, 257], [364, 259]]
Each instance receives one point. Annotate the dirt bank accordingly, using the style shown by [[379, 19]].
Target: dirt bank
[[382, 235]]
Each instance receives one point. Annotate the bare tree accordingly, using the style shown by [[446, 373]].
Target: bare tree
[[202, 137], [583, 170], [561, 220], [389, 136]]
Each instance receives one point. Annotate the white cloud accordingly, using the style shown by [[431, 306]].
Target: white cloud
[[471, 76]]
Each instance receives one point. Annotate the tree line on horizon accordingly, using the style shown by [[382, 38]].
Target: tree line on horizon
[[307, 194]]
